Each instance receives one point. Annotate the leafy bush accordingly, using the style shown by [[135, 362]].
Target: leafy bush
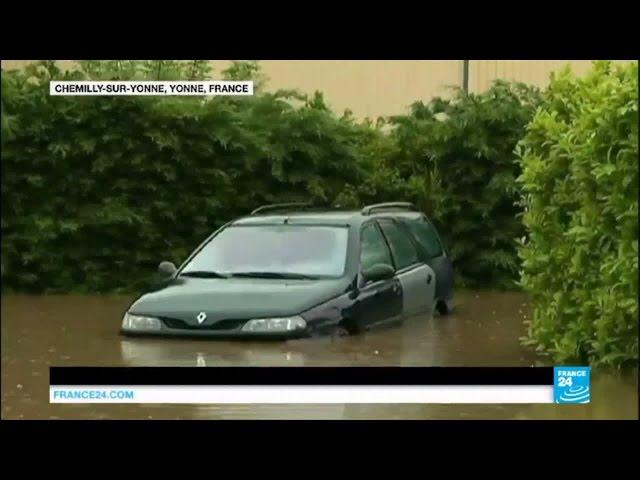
[[455, 158], [580, 186], [97, 190]]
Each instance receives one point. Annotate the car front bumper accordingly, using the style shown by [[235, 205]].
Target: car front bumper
[[215, 334]]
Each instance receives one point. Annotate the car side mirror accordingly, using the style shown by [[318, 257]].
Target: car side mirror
[[380, 271], [167, 268]]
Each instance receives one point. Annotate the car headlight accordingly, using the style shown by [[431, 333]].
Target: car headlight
[[140, 322], [281, 324]]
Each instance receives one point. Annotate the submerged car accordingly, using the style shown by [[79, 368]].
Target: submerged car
[[286, 271]]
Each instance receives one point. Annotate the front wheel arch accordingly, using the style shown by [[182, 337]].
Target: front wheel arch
[[351, 325]]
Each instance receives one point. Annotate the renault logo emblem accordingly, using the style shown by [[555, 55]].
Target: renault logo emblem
[[201, 317]]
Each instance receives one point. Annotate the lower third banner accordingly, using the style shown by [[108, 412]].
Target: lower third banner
[[318, 385]]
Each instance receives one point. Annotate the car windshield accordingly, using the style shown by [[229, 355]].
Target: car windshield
[[273, 251]]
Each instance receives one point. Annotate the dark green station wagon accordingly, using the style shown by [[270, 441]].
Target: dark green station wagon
[[289, 271]]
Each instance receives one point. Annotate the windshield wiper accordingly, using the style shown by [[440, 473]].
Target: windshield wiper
[[203, 274], [297, 276]]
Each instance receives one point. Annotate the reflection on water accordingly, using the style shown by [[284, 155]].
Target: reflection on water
[[77, 330]]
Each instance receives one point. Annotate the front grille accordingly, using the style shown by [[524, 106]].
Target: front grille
[[219, 325]]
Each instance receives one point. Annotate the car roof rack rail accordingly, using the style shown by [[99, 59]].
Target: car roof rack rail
[[280, 206], [395, 205]]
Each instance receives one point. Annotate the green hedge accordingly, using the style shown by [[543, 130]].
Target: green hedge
[[97, 190], [580, 187], [455, 158]]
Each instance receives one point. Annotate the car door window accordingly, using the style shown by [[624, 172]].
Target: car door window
[[373, 248], [402, 249], [425, 235]]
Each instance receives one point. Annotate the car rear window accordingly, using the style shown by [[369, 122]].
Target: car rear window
[[297, 249]]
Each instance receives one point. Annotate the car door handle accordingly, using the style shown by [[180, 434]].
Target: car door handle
[[395, 288], [428, 279]]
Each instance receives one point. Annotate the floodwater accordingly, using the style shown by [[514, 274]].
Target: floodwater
[[41, 331]]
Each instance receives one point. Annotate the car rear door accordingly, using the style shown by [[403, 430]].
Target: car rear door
[[417, 279], [433, 253]]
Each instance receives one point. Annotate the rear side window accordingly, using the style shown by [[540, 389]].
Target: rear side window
[[373, 248], [426, 236], [403, 251]]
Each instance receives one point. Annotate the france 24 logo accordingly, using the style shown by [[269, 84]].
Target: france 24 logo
[[572, 384]]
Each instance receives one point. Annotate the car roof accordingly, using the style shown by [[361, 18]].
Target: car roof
[[337, 217]]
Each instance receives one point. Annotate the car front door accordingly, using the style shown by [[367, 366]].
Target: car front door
[[417, 279], [378, 301]]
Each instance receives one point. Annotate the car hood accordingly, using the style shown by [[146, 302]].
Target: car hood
[[235, 298]]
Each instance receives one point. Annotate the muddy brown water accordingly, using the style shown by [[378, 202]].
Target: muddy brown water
[[41, 331]]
